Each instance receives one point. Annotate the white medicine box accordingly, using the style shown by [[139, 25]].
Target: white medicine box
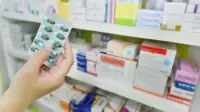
[[157, 56], [150, 81], [96, 10], [118, 69]]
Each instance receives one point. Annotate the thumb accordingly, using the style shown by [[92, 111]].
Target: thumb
[[41, 56]]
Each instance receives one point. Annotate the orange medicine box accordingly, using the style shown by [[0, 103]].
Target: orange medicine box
[[118, 69]]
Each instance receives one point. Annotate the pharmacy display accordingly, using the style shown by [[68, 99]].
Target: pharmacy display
[[152, 67], [80, 97], [176, 15]]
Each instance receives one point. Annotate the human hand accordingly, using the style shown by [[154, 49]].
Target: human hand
[[31, 82]]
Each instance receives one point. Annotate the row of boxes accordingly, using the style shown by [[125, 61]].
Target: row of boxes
[[147, 67], [150, 72], [178, 16], [79, 97]]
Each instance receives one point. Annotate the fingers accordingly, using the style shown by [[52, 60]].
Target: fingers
[[59, 59], [65, 65], [41, 56], [68, 53]]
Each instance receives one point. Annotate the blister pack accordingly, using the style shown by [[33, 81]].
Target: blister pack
[[54, 30]]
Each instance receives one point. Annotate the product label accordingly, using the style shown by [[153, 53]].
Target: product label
[[113, 61], [185, 86], [154, 50]]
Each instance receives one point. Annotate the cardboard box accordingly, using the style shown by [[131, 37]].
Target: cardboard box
[[100, 104], [150, 81], [96, 10], [173, 16], [175, 8], [191, 27], [157, 56], [192, 18], [177, 99], [181, 92], [115, 104], [118, 69], [126, 12], [123, 49], [92, 57]]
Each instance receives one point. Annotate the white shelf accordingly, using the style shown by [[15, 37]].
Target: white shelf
[[130, 93], [168, 36], [51, 105], [20, 17], [18, 53]]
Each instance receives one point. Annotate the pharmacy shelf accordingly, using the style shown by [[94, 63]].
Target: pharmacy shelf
[[143, 33], [18, 53], [130, 93], [49, 104], [20, 17], [118, 88]]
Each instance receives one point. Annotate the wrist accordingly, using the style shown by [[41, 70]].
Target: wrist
[[10, 100]]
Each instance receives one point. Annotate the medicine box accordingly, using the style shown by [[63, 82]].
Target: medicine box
[[105, 38], [96, 10], [192, 18], [99, 105], [191, 27], [66, 94], [193, 8], [92, 60], [115, 104], [130, 106], [187, 75], [157, 56], [194, 2], [181, 92], [150, 81], [149, 18], [173, 16], [118, 69], [123, 49], [81, 61], [77, 10], [126, 11], [175, 8]]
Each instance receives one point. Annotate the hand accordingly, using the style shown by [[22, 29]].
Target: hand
[[30, 83]]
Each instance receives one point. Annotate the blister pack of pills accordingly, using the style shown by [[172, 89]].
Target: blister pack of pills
[[54, 30]]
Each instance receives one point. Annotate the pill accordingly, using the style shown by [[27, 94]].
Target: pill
[[39, 43], [34, 49], [55, 52], [60, 36], [57, 44], [64, 29], [45, 37], [51, 21], [48, 29], [51, 60]]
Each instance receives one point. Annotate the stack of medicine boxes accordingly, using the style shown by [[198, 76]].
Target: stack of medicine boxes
[[154, 67], [186, 79]]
